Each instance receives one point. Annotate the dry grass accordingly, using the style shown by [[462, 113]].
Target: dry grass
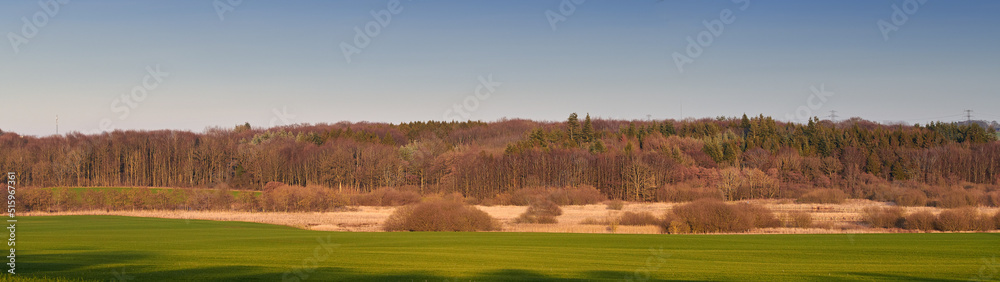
[[832, 218]]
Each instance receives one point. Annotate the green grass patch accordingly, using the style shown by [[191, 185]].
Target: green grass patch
[[107, 247]]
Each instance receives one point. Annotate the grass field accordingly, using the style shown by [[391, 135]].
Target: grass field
[[142, 249]]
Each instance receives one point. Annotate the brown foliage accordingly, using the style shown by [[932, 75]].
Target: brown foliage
[[799, 219], [883, 217], [638, 218], [685, 193], [824, 196], [911, 198], [439, 214], [541, 210], [615, 204], [963, 219], [300, 199], [922, 220], [956, 198], [708, 215], [385, 197]]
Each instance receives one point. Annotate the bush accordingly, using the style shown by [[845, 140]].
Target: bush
[[996, 220], [300, 199], [963, 219], [615, 205], [638, 218], [883, 217], [824, 196], [386, 197], [582, 195], [956, 199], [799, 219], [35, 199], [440, 215], [710, 215], [541, 210], [911, 198], [923, 220], [686, 193], [672, 224]]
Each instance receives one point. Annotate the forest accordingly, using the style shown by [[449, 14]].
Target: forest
[[734, 158]]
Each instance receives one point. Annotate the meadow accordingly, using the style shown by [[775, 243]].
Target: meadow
[[92, 248]]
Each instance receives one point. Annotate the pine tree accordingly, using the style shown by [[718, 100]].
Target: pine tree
[[588, 129], [573, 127]]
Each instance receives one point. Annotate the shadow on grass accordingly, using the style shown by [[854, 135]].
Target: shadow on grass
[[247, 273]]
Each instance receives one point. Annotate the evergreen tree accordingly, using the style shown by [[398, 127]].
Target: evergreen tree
[[588, 129], [573, 127]]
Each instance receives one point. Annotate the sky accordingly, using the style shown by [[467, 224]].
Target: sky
[[192, 65]]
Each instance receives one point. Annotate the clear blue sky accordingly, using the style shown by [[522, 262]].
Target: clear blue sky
[[608, 58]]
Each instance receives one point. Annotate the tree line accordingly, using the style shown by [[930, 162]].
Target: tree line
[[742, 157]]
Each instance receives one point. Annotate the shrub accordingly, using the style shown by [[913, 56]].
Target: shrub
[[541, 210], [911, 198], [386, 197], [923, 220], [963, 219], [955, 199], [824, 196], [638, 218], [672, 224], [300, 199], [996, 220], [883, 217], [686, 193], [582, 195], [710, 215], [35, 199], [440, 215], [799, 219], [615, 205]]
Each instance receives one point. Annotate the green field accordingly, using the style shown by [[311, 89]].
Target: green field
[[142, 249]]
